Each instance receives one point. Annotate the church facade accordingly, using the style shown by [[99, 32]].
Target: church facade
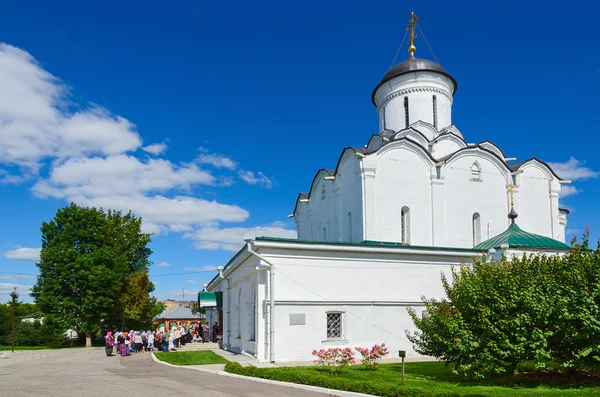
[[376, 232], [420, 182]]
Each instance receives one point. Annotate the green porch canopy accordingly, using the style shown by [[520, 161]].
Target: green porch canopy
[[515, 237], [210, 299]]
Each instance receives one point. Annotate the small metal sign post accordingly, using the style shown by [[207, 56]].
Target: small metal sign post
[[402, 354]]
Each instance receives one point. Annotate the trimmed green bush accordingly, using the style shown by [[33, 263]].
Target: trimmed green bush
[[498, 315], [383, 389]]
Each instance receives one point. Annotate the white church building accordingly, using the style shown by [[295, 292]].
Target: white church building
[[376, 233]]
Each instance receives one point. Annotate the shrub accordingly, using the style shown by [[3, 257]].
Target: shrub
[[377, 388], [334, 359], [498, 315], [234, 368], [372, 357]]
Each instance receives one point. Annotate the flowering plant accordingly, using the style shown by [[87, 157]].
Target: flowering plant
[[334, 358], [372, 357]]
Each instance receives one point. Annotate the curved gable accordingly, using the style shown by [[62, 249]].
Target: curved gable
[[322, 173], [428, 130], [447, 144], [451, 129], [498, 162], [408, 145], [492, 147], [412, 134], [539, 163]]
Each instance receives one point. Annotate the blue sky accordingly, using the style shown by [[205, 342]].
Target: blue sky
[[207, 118]]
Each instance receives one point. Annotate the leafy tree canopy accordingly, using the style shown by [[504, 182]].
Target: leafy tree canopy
[[498, 315], [86, 265]]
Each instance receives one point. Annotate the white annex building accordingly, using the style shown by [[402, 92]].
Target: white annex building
[[376, 232]]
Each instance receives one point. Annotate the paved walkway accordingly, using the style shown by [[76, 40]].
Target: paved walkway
[[88, 372]]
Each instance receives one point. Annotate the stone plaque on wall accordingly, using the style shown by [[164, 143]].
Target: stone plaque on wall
[[297, 319]]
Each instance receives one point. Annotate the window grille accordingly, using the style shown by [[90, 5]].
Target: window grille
[[334, 325], [406, 111]]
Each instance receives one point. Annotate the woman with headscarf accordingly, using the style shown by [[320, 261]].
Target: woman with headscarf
[[137, 339], [109, 342], [150, 337]]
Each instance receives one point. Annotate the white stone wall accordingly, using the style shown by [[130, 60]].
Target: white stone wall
[[402, 179], [464, 196], [442, 198], [372, 287], [536, 201], [334, 211]]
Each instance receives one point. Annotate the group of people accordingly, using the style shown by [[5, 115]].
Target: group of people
[[124, 343]]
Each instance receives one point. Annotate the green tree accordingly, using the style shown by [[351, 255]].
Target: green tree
[[137, 307], [496, 315], [86, 257]]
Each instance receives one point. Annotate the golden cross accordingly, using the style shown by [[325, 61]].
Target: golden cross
[[412, 22], [511, 188]]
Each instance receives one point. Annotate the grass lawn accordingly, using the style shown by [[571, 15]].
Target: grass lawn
[[202, 357], [435, 376], [9, 348]]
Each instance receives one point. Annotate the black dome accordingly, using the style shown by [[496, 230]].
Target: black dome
[[413, 65]]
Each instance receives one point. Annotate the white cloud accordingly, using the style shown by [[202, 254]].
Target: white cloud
[[90, 153], [36, 123], [24, 254], [574, 170], [566, 191], [232, 239], [217, 161], [155, 148], [200, 269], [164, 264], [126, 183], [118, 175], [16, 277], [22, 290], [259, 179]]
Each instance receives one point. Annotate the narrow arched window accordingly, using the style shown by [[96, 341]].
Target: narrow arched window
[[349, 226], [324, 234], [239, 314], [406, 111], [253, 314], [434, 111], [405, 225], [475, 172], [476, 222]]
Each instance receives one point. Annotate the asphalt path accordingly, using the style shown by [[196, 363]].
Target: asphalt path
[[88, 372]]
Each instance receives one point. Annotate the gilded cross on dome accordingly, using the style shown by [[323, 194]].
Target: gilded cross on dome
[[511, 189], [412, 22], [512, 215]]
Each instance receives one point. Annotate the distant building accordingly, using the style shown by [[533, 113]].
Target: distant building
[[172, 303], [178, 316]]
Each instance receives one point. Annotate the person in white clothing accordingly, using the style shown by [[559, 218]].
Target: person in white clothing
[[150, 340]]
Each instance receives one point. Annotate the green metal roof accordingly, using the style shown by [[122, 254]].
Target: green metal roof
[[363, 243], [515, 237], [210, 299]]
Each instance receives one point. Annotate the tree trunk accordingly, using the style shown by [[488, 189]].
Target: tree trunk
[[88, 339]]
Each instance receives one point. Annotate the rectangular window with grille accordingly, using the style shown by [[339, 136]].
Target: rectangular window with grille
[[334, 326]]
